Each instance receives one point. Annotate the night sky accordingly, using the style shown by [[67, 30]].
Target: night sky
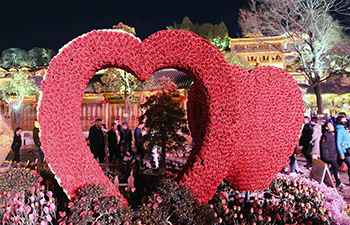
[[51, 24]]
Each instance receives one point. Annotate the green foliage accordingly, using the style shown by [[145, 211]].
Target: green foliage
[[232, 58], [20, 86], [41, 56], [92, 206], [117, 80], [175, 204], [165, 118], [18, 179], [16, 57], [217, 34]]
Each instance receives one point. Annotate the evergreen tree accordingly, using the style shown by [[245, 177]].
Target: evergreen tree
[[216, 34], [165, 121]]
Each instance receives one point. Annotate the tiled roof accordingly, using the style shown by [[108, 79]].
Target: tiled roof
[[181, 79]]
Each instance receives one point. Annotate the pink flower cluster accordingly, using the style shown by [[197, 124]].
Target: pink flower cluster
[[244, 124], [35, 207]]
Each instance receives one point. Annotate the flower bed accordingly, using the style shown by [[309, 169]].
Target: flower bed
[[288, 200], [23, 200]]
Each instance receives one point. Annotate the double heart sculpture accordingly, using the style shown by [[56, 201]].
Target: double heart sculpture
[[244, 124]]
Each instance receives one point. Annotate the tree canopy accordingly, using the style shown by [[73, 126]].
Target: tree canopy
[[165, 120], [217, 34], [16, 57], [20, 86], [122, 82], [310, 26]]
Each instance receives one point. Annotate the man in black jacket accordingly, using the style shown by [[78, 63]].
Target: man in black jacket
[[329, 152], [304, 141], [114, 143], [138, 144], [96, 138], [126, 138], [37, 142]]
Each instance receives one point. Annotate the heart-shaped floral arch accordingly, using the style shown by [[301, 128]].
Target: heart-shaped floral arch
[[244, 124]]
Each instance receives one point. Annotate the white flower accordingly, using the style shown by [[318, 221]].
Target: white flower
[[31, 217], [46, 210], [52, 206], [42, 201], [49, 218]]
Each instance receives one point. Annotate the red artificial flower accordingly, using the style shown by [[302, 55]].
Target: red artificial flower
[[223, 99]]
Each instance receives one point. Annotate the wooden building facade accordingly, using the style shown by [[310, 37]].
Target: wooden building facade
[[96, 105]]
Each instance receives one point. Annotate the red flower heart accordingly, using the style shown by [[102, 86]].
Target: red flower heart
[[244, 125]]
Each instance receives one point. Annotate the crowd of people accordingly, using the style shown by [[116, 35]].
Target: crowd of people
[[327, 140], [116, 142], [324, 139]]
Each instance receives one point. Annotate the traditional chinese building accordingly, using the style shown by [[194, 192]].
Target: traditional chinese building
[[278, 51], [262, 51], [107, 106]]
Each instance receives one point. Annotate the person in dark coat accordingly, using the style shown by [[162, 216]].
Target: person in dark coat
[[96, 138], [138, 135], [304, 141], [114, 143], [117, 121], [126, 139], [329, 150], [36, 140], [16, 144]]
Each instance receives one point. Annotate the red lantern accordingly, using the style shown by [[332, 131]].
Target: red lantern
[[103, 102]]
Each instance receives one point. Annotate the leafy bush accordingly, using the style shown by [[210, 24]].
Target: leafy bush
[[23, 200], [92, 206], [288, 200], [174, 203], [18, 179]]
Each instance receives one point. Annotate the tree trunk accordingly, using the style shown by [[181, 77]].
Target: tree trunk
[[126, 108], [18, 117], [318, 93]]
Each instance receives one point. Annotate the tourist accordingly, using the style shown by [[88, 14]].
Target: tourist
[[138, 135], [117, 121], [329, 151], [114, 143], [315, 139], [37, 142], [105, 138], [343, 142], [96, 138], [347, 126], [304, 141], [16, 144], [126, 139]]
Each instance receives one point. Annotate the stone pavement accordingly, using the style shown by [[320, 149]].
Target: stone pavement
[[343, 176]]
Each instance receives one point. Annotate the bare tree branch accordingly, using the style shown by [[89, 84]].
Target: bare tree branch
[[311, 27]]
